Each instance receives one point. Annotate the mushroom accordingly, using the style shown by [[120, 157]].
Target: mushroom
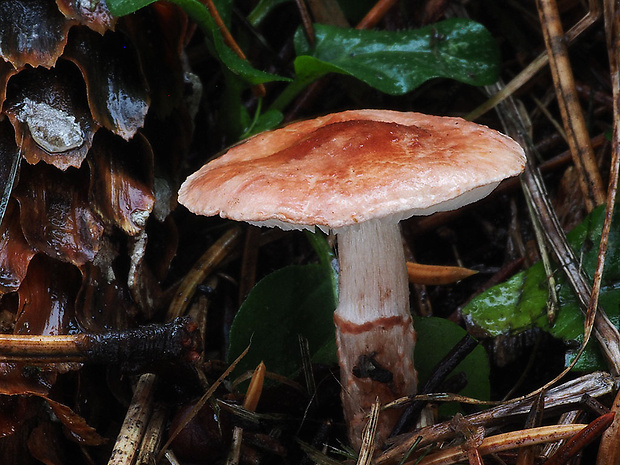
[[359, 173]]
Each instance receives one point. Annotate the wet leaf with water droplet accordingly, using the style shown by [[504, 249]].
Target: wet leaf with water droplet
[[396, 62], [520, 303]]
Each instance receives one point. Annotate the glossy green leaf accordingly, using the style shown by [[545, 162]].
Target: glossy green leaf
[[510, 307], [520, 302], [436, 337], [199, 13], [396, 62], [293, 301]]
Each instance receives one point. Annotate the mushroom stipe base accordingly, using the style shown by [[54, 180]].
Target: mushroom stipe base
[[375, 364]]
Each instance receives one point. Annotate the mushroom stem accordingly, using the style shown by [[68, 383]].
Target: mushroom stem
[[374, 330]]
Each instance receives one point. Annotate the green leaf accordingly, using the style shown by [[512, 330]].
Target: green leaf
[[126, 7], [520, 303], [261, 10], [296, 300], [199, 13], [263, 122], [436, 337], [396, 62], [511, 307]]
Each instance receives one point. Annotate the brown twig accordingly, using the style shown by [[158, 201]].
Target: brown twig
[[539, 62], [526, 454], [565, 395], [375, 14], [572, 116], [172, 341], [204, 266], [581, 440], [503, 442], [135, 423], [609, 450], [533, 187], [306, 21]]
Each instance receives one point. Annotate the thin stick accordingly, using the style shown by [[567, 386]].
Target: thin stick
[[135, 422], [367, 450], [565, 395], [534, 189], [503, 442], [152, 436], [171, 341], [574, 121], [205, 265], [375, 14], [539, 62], [609, 450], [613, 175], [580, 440], [526, 455], [306, 21]]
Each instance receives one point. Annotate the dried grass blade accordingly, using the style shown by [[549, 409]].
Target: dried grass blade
[[574, 121], [609, 449], [203, 400], [135, 422], [584, 437], [565, 395], [368, 435], [503, 442], [205, 265], [535, 192]]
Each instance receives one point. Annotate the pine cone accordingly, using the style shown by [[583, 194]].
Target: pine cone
[[89, 150]]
